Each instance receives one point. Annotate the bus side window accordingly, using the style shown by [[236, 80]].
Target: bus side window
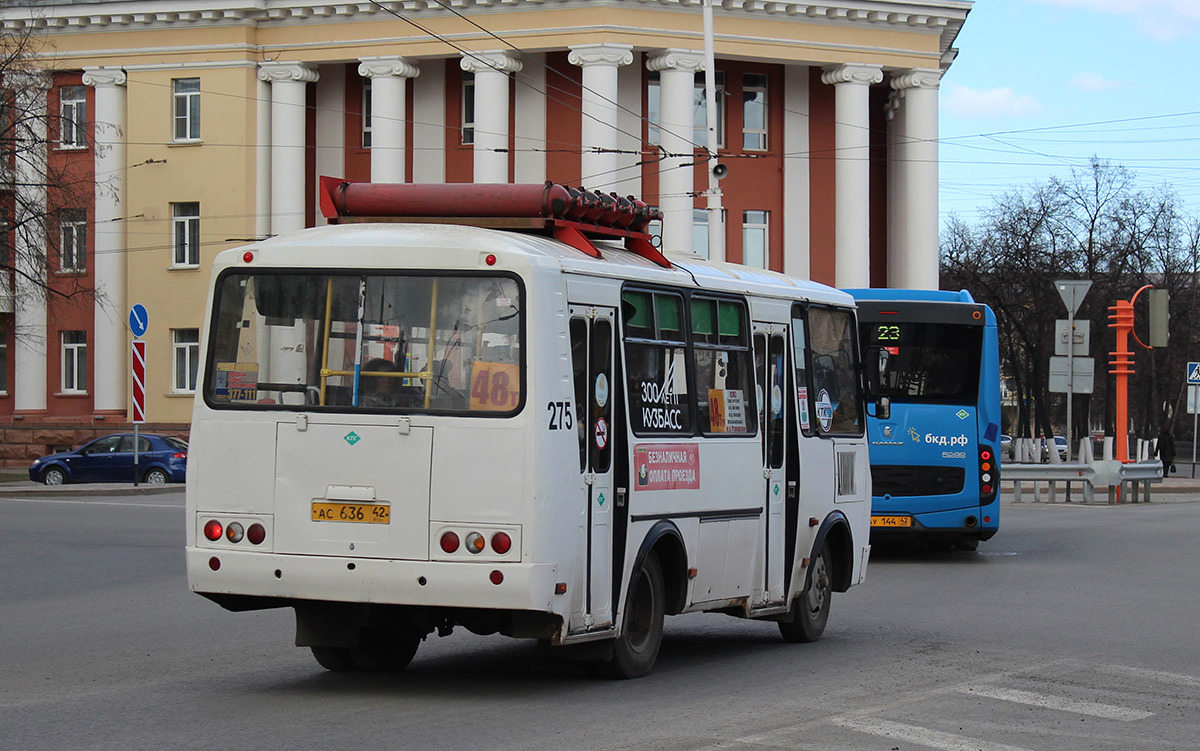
[[656, 363], [800, 357], [724, 389], [834, 371], [579, 354]]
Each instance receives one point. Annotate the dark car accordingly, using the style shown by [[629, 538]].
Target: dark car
[[110, 459]]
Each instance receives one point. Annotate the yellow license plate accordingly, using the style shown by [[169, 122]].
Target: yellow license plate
[[366, 513], [891, 521]]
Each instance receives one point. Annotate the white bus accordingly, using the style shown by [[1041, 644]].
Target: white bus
[[403, 427]]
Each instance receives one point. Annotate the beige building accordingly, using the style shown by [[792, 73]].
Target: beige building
[[204, 124]]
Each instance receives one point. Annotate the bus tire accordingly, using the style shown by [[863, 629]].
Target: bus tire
[[810, 610], [636, 649], [384, 651], [337, 659], [968, 544]]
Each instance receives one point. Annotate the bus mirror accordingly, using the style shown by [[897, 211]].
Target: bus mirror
[[876, 362]]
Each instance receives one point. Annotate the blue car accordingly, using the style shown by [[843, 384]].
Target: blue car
[[110, 459]]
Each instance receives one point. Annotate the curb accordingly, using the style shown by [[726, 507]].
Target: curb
[[92, 490]]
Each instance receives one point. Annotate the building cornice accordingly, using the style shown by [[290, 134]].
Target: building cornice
[[945, 17]]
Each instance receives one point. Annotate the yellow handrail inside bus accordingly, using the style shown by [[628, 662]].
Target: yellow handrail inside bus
[[432, 334], [325, 345]]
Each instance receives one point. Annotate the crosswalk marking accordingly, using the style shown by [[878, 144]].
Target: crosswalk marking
[[1079, 706], [1150, 675], [924, 736]]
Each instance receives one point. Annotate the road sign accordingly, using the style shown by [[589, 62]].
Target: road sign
[[1193, 372], [1083, 334], [1072, 293], [1193, 393], [1084, 373], [138, 361], [139, 320]]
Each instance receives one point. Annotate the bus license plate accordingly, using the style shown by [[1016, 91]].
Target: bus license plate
[[891, 521], [366, 513]]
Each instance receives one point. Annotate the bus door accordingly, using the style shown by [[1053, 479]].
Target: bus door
[[770, 361], [592, 342]]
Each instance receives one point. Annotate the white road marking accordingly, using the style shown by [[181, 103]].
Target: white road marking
[[923, 736], [1150, 675], [1095, 709]]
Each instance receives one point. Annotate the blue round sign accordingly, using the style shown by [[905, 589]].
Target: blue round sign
[[139, 320]]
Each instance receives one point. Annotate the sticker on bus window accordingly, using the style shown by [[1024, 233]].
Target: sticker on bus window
[[601, 390], [824, 410], [495, 386], [236, 382], [666, 466], [802, 399], [726, 411]]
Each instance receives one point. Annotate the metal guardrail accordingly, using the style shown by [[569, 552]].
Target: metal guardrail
[[1122, 480]]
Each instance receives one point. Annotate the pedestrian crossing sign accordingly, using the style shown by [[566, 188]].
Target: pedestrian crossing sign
[[1193, 373]]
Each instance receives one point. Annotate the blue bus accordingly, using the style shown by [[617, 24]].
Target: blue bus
[[932, 367]]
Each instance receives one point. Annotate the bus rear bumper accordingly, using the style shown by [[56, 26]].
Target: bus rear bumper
[[978, 522], [275, 576]]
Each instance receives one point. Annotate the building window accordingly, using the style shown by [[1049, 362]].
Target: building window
[[700, 233], [366, 117], [74, 362], [754, 112], [468, 108], [186, 343], [72, 255], [72, 133], [185, 229], [3, 368], [699, 111], [754, 239], [187, 109]]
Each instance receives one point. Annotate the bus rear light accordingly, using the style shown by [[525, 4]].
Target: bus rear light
[[490, 260], [496, 577], [213, 530], [248, 257], [234, 532], [449, 542], [501, 542], [987, 466], [256, 534], [986, 477], [474, 543], [214, 563], [987, 489], [985, 455]]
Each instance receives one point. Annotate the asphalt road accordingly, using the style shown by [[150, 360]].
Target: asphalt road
[[1074, 628]]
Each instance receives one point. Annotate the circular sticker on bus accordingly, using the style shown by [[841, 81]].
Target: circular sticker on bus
[[776, 401], [824, 410], [601, 433], [601, 389]]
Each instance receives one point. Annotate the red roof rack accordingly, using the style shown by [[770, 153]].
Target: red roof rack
[[572, 215]]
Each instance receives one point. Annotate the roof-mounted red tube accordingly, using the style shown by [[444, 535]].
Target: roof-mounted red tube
[[573, 215], [345, 199]]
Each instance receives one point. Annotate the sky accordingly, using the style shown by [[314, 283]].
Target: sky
[[1041, 86]]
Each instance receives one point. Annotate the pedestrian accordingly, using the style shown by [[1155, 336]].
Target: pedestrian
[[1165, 449]]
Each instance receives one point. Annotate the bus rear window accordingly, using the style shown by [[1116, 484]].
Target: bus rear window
[[366, 341], [924, 362]]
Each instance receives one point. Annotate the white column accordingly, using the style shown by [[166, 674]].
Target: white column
[[109, 351], [491, 71], [897, 211], [329, 138], [29, 359], [389, 88], [598, 131], [920, 175], [529, 121], [429, 123], [796, 207], [288, 116], [262, 158], [677, 76], [629, 136], [852, 170]]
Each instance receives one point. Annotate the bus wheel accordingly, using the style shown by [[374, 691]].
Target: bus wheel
[[635, 651], [384, 651], [810, 611], [337, 659], [968, 544]]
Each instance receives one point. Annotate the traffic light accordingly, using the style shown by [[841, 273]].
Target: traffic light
[[1160, 315]]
